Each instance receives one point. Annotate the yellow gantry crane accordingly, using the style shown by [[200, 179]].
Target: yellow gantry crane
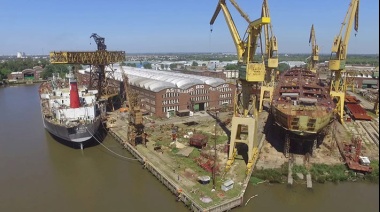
[[99, 78], [271, 59], [337, 63], [314, 58], [251, 74]]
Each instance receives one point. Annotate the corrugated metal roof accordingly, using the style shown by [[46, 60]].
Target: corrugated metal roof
[[155, 80], [371, 82]]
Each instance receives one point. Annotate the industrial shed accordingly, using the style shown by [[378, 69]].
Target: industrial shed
[[165, 93]]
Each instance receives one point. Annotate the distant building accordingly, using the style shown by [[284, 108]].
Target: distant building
[[363, 76], [26, 74], [294, 63], [21, 55]]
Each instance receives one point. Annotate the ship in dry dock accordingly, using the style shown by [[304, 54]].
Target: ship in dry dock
[[301, 104], [70, 111]]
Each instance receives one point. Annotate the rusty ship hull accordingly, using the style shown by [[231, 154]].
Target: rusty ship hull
[[301, 103]]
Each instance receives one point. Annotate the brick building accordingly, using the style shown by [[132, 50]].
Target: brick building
[[363, 76], [26, 74], [165, 93]]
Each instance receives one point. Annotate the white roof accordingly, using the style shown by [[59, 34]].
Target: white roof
[[156, 80]]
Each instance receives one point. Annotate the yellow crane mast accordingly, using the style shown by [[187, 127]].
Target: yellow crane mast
[[251, 74], [136, 134], [314, 58], [271, 59], [337, 63], [100, 78]]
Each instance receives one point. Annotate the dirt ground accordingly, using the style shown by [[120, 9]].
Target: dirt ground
[[326, 153], [186, 174], [271, 155]]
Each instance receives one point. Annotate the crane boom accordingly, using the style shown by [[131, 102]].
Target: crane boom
[[99, 41], [271, 47], [251, 74], [106, 84], [87, 58], [231, 26], [314, 51], [337, 61], [271, 59], [242, 13]]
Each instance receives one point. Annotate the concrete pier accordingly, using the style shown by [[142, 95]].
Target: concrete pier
[[309, 183]]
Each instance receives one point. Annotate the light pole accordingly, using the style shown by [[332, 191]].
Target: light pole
[[214, 166]]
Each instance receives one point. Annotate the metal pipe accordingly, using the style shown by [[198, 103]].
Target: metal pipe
[[214, 166]]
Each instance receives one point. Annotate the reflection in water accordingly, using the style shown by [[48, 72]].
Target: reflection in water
[[40, 174]]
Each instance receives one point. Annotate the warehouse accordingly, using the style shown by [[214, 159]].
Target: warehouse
[[166, 93]]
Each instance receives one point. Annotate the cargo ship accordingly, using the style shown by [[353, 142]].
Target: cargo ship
[[70, 111], [302, 104]]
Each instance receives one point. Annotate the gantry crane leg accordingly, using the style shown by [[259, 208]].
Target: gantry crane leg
[[287, 145], [249, 138], [262, 96], [340, 96]]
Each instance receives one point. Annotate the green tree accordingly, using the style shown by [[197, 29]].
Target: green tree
[[61, 69], [194, 63], [231, 67], [147, 66], [4, 73], [173, 66], [131, 64], [283, 67]]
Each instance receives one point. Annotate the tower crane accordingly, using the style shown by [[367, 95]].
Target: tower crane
[[99, 41], [135, 127], [251, 74], [314, 58], [271, 59], [105, 83], [337, 63]]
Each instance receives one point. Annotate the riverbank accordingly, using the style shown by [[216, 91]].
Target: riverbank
[[320, 173], [20, 82]]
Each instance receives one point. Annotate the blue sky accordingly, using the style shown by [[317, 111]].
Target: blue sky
[[158, 26]]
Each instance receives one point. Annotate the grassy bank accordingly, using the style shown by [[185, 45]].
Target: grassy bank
[[320, 173]]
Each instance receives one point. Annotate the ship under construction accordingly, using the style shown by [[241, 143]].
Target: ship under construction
[[302, 106]]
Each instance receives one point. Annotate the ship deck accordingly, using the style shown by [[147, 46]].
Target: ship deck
[[301, 102], [303, 86]]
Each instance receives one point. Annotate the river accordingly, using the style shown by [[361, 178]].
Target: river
[[38, 173]]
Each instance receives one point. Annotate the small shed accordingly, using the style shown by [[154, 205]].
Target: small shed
[[204, 179], [227, 185], [183, 113], [198, 140]]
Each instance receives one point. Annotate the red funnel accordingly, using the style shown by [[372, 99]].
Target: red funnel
[[74, 96]]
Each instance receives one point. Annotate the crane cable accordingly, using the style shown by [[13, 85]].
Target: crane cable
[[109, 148], [209, 38]]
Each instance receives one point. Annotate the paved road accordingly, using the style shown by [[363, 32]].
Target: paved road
[[364, 103]]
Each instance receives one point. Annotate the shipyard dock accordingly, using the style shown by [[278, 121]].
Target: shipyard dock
[[181, 167]]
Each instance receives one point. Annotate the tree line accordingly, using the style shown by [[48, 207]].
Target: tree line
[[19, 64]]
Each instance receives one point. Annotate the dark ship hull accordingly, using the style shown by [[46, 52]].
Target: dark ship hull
[[78, 134], [70, 113]]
